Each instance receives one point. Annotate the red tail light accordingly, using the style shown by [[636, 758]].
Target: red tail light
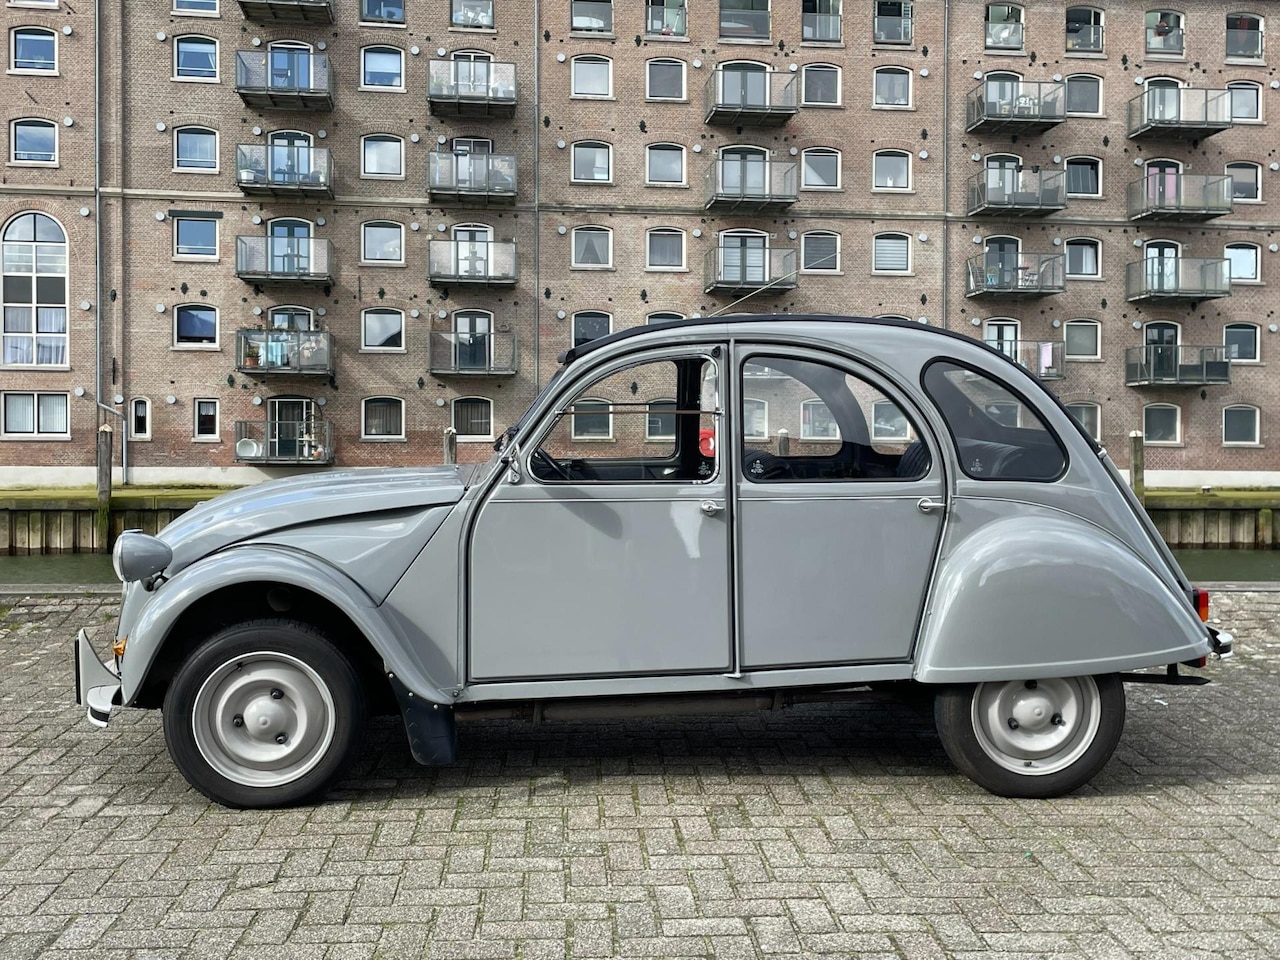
[[1201, 600]]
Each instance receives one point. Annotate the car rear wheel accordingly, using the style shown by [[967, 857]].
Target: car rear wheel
[[1032, 738], [264, 714]]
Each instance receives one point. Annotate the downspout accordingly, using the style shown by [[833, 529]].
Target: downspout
[[537, 204], [946, 164]]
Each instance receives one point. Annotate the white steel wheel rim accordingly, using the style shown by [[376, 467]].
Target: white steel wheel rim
[[1037, 727], [264, 719]]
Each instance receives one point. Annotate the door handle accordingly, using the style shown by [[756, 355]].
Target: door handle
[[710, 507], [925, 505]]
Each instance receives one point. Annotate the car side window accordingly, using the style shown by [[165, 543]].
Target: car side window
[[652, 422], [804, 421], [997, 433]]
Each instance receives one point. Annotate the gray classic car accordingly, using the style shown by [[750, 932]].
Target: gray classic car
[[740, 513]]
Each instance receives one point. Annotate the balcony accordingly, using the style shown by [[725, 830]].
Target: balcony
[[743, 24], [1178, 196], [283, 260], [1016, 193], [1084, 37], [1015, 107], [270, 170], [287, 11], [663, 21], [750, 98], [471, 88], [738, 270], [288, 443], [1174, 279], [1016, 276], [892, 29], [1179, 113], [1244, 44], [590, 16], [284, 79], [472, 177], [1164, 365], [748, 186], [477, 263], [1005, 36], [821, 27], [473, 355], [1166, 40], [269, 352], [1041, 357]]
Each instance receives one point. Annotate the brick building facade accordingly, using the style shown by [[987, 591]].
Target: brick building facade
[[320, 232]]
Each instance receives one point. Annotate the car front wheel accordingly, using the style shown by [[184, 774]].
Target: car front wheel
[[264, 714], [1032, 738]]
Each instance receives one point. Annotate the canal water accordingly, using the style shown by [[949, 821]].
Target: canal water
[[1203, 566]]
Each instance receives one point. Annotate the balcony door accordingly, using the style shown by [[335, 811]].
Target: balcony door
[[471, 157], [1001, 262], [1002, 177], [1162, 183], [289, 156], [1163, 101], [472, 73], [290, 428], [1002, 335], [1161, 258], [744, 85], [472, 340], [1001, 92], [1161, 341], [290, 67], [744, 172], [744, 257], [471, 250], [290, 242]]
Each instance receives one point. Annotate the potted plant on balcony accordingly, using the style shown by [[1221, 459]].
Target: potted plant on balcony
[[251, 354]]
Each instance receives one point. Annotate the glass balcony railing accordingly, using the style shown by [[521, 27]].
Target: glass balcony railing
[[1084, 37], [892, 29], [1041, 357], [284, 351], [487, 177], [488, 263], [1165, 195], [750, 185], [1015, 106], [471, 88], [825, 27], [297, 443], [1026, 192], [280, 170], [1175, 364], [760, 98], [1177, 278], [1179, 112], [736, 269], [665, 21], [744, 24], [1004, 36], [591, 16], [284, 78], [1016, 275], [474, 354], [472, 14], [287, 11], [1165, 40], [1244, 44], [296, 259]]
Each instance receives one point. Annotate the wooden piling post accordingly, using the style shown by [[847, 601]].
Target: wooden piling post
[[102, 520], [1138, 466]]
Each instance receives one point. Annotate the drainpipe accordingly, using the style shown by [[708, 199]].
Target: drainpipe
[[537, 203], [946, 164]]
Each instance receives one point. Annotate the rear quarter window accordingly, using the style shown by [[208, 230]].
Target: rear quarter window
[[998, 434]]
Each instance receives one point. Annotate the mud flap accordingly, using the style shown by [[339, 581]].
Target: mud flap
[[430, 727]]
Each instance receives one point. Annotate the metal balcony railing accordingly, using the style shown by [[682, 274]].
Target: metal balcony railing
[[665, 21], [1245, 44], [284, 78], [892, 29], [487, 177], [487, 263], [279, 170], [591, 16], [822, 27], [1178, 196], [1006, 192], [1179, 113], [284, 259], [472, 13], [757, 98], [473, 354], [1175, 365], [307, 352], [1016, 275], [749, 185], [1004, 36], [1177, 278], [743, 24], [1085, 37], [1165, 40], [287, 11], [300, 443], [471, 88], [1041, 357], [1015, 106], [736, 269]]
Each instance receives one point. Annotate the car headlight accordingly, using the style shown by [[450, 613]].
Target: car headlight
[[137, 556]]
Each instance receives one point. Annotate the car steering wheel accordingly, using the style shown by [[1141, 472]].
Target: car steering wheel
[[552, 464]]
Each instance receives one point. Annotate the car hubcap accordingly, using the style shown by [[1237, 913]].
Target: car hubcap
[[264, 719], [1036, 727]]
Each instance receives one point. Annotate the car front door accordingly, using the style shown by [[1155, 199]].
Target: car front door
[[604, 550], [840, 504]]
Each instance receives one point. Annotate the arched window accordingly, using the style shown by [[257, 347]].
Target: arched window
[[592, 17], [592, 420], [195, 58], [33, 141], [664, 79], [1084, 177], [140, 419], [382, 418], [35, 292], [1084, 30], [889, 424], [592, 247], [1161, 423], [382, 242], [592, 162], [1241, 341], [392, 11], [1004, 26], [382, 68], [1244, 36], [664, 316], [664, 164], [820, 85], [473, 418], [891, 253], [1246, 181], [195, 325], [1089, 416], [1240, 425], [1082, 340], [891, 170], [755, 418], [33, 50], [821, 166], [473, 342], [195, 150], [1243, 259], [592, 76], [1001, 334], [660, 423], [1246, 101], [664, 249], [382, 156], [291, 317], [1084, 94], [1084, 257], [590, 325], [382, 330], [820, 251], [892, 87], [816, 421], [1165, 32]]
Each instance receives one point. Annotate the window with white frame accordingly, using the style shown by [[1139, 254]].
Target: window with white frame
[[195, 150], [205, 425], [1161, 423], [891, 253], [891, 170], [816, 421], [382, 155], [592, 420], [592, 77], [1246, 181], [820, 251], [1242, 258], [590, 325], [1240, 425], [195, 325], [664, 316], [1084, 256], [1241, 341], [1244, 36], [660, 421], [664, 79], [35, 415], [382, 11], [33, 141], [665, 249], [1089, 416], [1084, 95], [1084, 177], [889, 423], [33, 50], [382, 418], [820, 85], [592, 247], [820, 169], [1165, 33], [1002, 335], [1085, 30], [591, 17], [382, 241], [1082, 339], [382, 330], [195, 237], [382, 68], [140, 418], [1004, 26], [892, 87], [664, 164], [471, 14], [1246, 101], [208, 7], [592, 162], [755, 418], [473, 418], [195, 58], [34, 260]]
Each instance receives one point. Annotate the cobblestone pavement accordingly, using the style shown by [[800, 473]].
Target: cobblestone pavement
[[834, 830]]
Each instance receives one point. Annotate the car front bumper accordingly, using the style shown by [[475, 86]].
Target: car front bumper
[[97, 684]]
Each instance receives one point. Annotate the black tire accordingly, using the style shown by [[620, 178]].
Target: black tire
[[1067, 731], [245, 688]]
